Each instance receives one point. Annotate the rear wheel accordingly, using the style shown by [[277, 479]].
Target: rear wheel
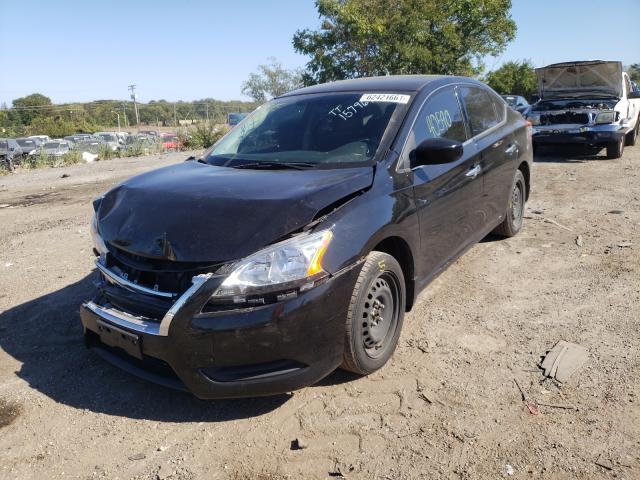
[[632, 136], [375, 316], [512, 222], [615, 149]]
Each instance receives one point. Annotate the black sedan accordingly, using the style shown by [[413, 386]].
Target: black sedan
[[295, 245]]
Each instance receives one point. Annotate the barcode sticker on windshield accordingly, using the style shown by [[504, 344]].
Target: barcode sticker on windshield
[[385, 97]]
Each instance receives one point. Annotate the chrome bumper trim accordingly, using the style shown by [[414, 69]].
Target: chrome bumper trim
[[134, 287], [145, 325]]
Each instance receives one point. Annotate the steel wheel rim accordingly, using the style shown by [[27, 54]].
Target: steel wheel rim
[[380, 314], [517, 204]]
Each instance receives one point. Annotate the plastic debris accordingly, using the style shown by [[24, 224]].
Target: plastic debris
[[563, 360]]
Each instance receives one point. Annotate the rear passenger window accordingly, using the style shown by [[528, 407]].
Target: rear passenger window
[[479, 105], [441, 117]]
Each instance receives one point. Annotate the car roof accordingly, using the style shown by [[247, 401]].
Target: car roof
[[394, 83]]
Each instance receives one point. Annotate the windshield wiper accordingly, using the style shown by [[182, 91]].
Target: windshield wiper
[[276, 165]]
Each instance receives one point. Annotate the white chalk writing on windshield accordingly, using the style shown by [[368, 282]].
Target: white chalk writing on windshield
[[348, 112]]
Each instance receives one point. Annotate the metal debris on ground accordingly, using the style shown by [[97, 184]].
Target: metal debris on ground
[[625, 244], [579, 241], [532, 407], [563, 360], [604, 462]]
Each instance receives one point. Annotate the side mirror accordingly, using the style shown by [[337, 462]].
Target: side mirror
[[634, 94], [190, 159], [436, 151]]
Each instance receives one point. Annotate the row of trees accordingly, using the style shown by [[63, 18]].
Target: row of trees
[[362, 38], [36, 114]]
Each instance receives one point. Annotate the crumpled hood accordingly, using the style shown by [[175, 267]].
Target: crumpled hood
[[193, 212], [576, 78]]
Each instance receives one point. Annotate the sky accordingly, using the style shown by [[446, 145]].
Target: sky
[[82, 50]]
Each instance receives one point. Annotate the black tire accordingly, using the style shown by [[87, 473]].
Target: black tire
[[615, 149], [632, 136], [514, 214], [375, 316]]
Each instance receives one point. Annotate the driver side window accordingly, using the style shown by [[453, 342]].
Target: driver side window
[[440, 117]]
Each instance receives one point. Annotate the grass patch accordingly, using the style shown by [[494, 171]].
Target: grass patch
[[42, 160]]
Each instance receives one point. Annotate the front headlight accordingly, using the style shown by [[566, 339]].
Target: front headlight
[[295, 263], [98, 243], [605, 117]]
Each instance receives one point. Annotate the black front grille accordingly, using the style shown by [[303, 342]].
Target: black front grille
[[157, 274], [564, 118]]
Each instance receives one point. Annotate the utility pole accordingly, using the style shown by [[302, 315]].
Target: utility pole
[[124, 114], [132, 89], [118, 115], [207, 113], [175, 117]]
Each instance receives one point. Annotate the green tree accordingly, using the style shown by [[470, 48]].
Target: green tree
[[27, 108], [514, 78], [634, 72], [271, 80], [359, 38]]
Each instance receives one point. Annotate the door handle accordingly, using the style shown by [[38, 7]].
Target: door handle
[[474, 172], [511, 149]]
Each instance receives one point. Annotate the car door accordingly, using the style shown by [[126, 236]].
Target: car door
[[497, 148], [446, 195]]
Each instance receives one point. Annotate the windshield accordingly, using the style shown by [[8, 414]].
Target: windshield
[[54, 145], [3, 146], [26, 143], [323, 129], [107, 137], [512, 101]]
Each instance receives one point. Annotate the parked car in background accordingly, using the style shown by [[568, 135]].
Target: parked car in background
[[517, 102], [42, 138], [139, 143], [170, 141], [56, 147], [28, 144], [235, 118], [153, 133], [122, 137], [78, 137], [10, 152], [110, 139], [295, 245], [591, 103]]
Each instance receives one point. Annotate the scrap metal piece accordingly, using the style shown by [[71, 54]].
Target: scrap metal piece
[[563, 360]]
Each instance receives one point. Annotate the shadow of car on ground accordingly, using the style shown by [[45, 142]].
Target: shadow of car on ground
[[45, 335], [567, 154]]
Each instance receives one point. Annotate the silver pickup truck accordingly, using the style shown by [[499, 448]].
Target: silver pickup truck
[[593, 103]]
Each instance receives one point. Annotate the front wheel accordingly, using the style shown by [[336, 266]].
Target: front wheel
[[375, 315], [632, 136], [512, 222], [615, 149]]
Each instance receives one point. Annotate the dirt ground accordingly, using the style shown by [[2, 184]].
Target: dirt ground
[[446, 407]]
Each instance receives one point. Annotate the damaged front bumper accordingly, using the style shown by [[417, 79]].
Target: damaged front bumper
[[589, 135], [232, 352]]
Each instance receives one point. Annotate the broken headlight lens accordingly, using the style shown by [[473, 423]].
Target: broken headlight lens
[[293, 263], [98, 243], [605, 117]]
